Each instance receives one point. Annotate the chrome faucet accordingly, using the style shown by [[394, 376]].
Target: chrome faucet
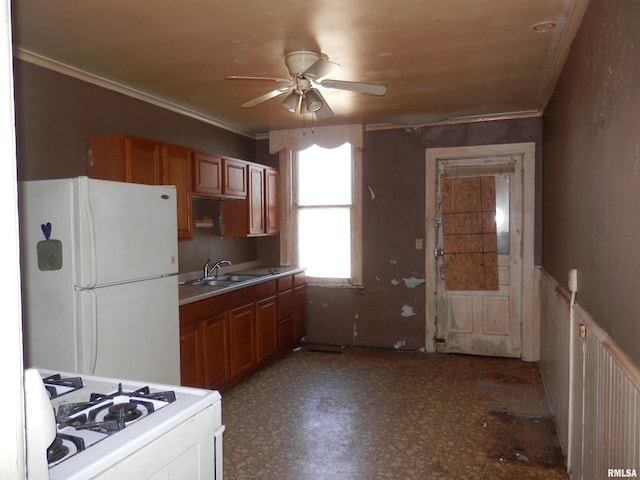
[[214, 271]]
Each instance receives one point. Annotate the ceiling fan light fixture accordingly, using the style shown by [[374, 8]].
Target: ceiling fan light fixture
[[290, 104], [312, 101]]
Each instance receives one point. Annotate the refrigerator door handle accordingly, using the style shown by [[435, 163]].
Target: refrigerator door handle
[[87, 331], [88, 222]]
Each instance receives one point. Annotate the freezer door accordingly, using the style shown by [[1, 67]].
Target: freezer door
[[124, 231], [131, 331]]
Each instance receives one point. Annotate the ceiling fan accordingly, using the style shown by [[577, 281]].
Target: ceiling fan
[[308, 71]]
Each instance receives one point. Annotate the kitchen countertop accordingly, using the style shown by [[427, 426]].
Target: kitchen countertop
[[190, 293]]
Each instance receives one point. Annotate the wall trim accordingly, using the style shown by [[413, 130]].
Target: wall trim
[[64, 69]]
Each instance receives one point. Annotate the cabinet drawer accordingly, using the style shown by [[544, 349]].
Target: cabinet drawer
[[299, 279], [266, 289], [195, 311], [285, 304], [285, 283], [243, 296]]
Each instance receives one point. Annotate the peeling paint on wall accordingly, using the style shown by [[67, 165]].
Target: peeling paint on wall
[[355, 333], [413, 282], [407, 311], [393, 261], [325, 305], [399, 344], [395, 282]]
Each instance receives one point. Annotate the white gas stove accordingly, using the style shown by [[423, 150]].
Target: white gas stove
[[120, 429]]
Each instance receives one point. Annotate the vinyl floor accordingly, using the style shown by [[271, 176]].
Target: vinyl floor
[[329, 413]]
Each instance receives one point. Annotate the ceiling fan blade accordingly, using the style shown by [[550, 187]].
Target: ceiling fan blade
[[325, 112], [320, 69], [370, 88], [271, 79], [266, 96]]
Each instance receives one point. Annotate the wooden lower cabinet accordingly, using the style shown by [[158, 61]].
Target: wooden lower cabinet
[[191, 355], [226, 337], [241, 340], [214, 337], [203, 338], [267, 329]]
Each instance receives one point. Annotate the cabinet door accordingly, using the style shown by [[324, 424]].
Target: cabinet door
[[235, 178], [299, 312], [267, 328], [285, 319], [176, 162], [191, 356], [214, 352], [272, 222], [142, 161], [241, 340], [207, 178], [256, 200]]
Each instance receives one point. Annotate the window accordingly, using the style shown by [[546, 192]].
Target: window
[[326, 213]]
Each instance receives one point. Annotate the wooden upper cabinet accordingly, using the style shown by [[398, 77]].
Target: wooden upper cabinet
[[256, 200], [142, 161], [235, 178], [207, 174], [257, 215], [126, 158], [176, 168], [219, 177], [272, 222]]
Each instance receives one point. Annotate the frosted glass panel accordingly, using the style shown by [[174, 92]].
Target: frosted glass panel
[[324, 242], [324, 176], [502, 213]]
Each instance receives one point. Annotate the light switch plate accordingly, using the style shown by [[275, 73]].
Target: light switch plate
[[573, 280]]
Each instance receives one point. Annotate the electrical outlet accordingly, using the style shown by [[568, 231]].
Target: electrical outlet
[[418, 244], [582, 330]]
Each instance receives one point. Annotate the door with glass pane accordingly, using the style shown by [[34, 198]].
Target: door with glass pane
[[478, 257]]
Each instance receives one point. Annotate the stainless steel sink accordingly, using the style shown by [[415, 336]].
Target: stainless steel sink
[[222, 280], [238, 277], [209, 282]]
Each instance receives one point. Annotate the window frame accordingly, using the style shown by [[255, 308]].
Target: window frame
[[288, 230]]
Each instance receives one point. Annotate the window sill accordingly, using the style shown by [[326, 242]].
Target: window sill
[[338, 285]]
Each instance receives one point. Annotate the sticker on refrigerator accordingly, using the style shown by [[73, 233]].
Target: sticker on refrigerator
[[49, 250]]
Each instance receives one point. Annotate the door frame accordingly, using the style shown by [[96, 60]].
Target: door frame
[[530, 323]]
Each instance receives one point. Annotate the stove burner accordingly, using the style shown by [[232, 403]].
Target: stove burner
[[123, 411], [56, 450]]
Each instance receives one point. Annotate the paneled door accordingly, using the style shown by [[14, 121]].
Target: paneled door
[[477, 256]]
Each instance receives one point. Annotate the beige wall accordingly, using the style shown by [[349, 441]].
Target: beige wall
[[591, 184]]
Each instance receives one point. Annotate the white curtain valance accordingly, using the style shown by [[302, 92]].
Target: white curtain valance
[[326, 137]]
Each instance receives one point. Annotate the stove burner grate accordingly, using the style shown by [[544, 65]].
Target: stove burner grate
[[56, 451], [56, 385], [144, 392]]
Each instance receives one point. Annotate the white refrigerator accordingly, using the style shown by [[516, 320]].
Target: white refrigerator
[[99, 263]]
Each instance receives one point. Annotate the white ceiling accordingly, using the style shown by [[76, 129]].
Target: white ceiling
[[441, 60]]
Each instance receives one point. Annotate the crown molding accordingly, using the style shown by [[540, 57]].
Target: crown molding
[[63, 68]]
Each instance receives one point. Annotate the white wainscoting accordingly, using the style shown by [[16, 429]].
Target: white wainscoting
[[593, 389]]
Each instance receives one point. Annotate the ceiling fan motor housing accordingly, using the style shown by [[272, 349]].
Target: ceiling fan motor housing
[[300, 60]]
